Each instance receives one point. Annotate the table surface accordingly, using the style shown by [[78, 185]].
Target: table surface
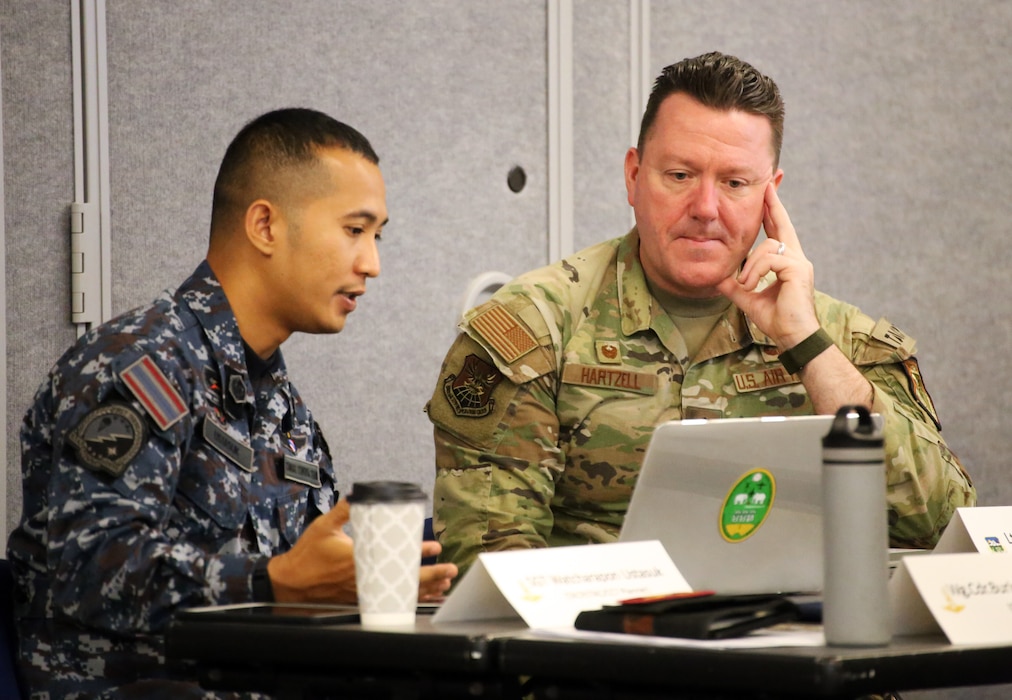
[[242, 654], [908, 663]]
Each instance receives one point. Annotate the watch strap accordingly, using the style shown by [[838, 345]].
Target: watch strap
[[804, 352], [263, 589]]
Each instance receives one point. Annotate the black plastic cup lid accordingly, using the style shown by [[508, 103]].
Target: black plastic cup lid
[[385, 492]]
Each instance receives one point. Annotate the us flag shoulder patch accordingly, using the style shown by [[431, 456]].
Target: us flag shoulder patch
[[508, 337], [153, 389]]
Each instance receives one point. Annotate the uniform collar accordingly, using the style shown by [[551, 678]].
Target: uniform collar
[[203, 294], [634, 298], [639, 306]]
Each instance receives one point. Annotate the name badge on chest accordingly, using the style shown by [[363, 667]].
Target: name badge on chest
[[234, 449], [607, 378], [301, 471]]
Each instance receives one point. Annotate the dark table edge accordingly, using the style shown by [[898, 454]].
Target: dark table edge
[[804, 671]]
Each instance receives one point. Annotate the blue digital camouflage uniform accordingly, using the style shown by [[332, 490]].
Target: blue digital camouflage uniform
[[155, 478], [547, 400]]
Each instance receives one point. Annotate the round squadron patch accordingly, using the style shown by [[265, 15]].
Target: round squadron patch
[[747, 504], [109, 437]]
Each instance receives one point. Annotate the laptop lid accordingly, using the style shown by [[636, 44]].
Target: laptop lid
[[736, 502]]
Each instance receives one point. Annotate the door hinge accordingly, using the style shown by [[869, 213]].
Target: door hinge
[[85, 264]]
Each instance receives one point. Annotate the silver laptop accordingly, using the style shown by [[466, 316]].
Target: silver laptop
[[736, 502]]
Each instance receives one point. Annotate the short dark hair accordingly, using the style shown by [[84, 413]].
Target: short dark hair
[[273, 142], [721, 82]]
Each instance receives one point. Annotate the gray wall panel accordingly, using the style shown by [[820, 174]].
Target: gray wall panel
[[38, 188], [452, 95], [897, 154], [600, 120]]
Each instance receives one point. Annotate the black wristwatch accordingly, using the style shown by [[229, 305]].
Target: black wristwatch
[[263, 591]]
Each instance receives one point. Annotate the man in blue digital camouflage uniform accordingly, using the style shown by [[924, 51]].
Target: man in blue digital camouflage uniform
[[168, 462]]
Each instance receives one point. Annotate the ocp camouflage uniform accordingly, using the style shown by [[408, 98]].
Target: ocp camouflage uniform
[[157, 476], [547, 400]]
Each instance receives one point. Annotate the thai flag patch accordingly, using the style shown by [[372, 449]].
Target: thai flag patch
[[159, 398]]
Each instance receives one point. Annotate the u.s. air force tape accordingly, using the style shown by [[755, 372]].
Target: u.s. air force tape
[[109, 437]]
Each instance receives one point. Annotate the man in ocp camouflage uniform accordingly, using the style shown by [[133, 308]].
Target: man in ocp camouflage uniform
[[547, 399], [168, 461]]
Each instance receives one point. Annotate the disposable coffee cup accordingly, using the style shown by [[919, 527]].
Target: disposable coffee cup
[[387, 518]]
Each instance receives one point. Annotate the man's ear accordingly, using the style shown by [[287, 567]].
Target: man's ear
[[261, 226], [632, 171], [778, 177]]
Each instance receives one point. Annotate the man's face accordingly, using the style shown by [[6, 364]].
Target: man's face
[[697, 192], [330, 248]]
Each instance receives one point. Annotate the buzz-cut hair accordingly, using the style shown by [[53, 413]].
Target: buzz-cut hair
[[274, 142]]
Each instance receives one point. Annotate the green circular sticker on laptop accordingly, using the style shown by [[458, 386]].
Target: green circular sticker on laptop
[[747, 504]]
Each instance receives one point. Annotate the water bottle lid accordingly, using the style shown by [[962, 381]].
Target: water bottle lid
[[844, 433], [385, 492]]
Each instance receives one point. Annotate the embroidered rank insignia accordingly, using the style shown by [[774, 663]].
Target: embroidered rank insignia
[[608, 352], [153, 389], [237, 388], [213, 387], [770, 353], [109, 437], [919, 391], [470, 392], [507, 337]]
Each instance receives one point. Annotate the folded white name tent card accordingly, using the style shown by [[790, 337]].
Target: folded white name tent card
[[549, 587], [964, 587]]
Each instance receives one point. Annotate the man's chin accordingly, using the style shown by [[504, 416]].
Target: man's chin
[[696, 286], [327, 327]]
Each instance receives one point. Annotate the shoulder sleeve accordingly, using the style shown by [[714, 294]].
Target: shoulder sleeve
[[496, 434], [129, 542], [880, 342], [926, 482]]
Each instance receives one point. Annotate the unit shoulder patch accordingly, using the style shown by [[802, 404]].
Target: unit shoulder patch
[[109, 437], [919, 391], [469, 392], [155, 392]]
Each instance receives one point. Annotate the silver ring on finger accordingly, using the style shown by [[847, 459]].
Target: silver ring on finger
[[780, 248]]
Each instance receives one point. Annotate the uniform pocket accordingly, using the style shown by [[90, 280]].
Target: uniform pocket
[[210, 504]]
